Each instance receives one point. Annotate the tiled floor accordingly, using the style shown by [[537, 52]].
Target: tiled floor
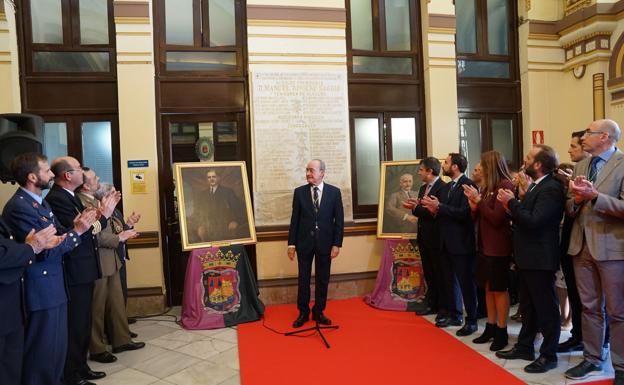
[[174, 356]]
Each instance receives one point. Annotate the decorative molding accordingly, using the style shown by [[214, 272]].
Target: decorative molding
[[296, 24], [296, 13], [286, 62], [153, 291], [278, 233], [146, 239], [2, 14], [133, 33], [291, 54], [571, 6], [283, 36], [442, 21], [599, 96], [442, 31], [132, 20], [616, 69], [131, 9]]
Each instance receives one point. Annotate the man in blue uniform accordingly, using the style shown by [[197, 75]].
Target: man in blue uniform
[[44, 284]]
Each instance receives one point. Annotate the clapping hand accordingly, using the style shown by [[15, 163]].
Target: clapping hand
[[133, 219], [523, 181], [42, 239], [127, 234], [411, 203], [504, 196], [473, 195], [109, 202], [583, 189], [431, 203], [85, 220]]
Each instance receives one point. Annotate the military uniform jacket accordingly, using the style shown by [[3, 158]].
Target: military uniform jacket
[[81, 264], [44, 281], [14, 257]]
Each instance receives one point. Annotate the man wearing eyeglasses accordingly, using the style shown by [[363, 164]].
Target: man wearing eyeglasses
[[81, 265], [597, 243]]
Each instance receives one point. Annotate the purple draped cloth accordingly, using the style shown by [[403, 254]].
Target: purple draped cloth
[[219, 289], [400, 283]]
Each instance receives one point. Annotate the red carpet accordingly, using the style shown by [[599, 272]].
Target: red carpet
[[371, 347], [601, 382]]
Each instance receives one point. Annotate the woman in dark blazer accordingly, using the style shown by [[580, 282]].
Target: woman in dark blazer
[[494, 243]]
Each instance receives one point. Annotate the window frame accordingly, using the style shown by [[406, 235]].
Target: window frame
[[201, 42], [71, 40], [379, 42], [482, 54]]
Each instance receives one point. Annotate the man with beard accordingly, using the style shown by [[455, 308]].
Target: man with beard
[[536, 251], [457, 246], [45, 296]]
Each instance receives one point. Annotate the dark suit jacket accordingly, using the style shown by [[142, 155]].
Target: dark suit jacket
[[14, 258], [216, 211], [427, 229], [330, 221], [536, 222], [454, 219], [44, 281], [82, 263]]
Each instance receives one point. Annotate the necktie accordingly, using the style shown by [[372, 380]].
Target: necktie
[[593, 168], [531, 186], [316, 198], [451, 187], [427, 190]]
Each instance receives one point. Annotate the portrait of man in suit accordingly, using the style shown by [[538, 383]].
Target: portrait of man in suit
[[397, 186], [315, 234], [215, 203]]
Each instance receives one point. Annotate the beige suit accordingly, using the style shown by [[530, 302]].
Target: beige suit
[[395, 220], [597, 244], [108, 307]]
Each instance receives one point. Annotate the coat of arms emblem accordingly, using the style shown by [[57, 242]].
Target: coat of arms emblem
[[408, 283], [220, 282]]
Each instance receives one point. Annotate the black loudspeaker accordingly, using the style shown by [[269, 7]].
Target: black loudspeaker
[[19, 133]]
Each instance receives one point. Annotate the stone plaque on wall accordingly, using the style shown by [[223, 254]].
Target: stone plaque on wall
[[297, 116]]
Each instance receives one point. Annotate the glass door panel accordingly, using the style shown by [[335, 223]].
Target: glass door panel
[[97, 149]]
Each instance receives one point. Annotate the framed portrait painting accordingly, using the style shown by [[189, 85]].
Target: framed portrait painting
[[214, 204], [399, 181]]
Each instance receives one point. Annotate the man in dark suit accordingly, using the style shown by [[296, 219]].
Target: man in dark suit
[[14, 258], [428, 237], [536, 221], [315, 233], [44, 284], [221, 213], [457, 245], [81, 265]]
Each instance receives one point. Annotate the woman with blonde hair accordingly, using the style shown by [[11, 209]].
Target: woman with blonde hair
[[494, 242]]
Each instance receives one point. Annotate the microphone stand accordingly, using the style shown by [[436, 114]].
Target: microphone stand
[[317, 329]]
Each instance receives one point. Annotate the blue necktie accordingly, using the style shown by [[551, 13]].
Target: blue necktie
[[593, 168]]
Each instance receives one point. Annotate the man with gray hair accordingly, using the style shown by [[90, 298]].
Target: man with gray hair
[[315, 233], [597, 243]]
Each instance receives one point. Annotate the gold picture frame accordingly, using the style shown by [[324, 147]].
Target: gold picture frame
[[214, 204], [393, 220]]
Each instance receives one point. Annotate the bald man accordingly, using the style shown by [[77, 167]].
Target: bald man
[[597, 245]]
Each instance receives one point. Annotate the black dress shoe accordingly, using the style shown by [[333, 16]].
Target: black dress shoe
[[91, 375], [105, 357], [448, 321], [541, 365], [133, 335], [515, 354], [300, 321], [424, 311], [130, 346], [571, 345], [466, 330], [81, 381], [320, 318]]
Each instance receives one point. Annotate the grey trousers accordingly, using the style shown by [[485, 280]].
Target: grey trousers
[[599, 282]]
